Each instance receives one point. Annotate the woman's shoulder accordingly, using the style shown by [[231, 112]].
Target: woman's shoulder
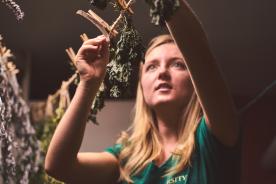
[[204, 137], [115, 149]]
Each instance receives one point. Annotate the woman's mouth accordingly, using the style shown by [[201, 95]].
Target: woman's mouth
[[163, 87]]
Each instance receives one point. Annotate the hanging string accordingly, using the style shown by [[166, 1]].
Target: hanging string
[[257, 98]]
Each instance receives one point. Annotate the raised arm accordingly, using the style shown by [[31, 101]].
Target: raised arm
[[63, 160], [210, 87]]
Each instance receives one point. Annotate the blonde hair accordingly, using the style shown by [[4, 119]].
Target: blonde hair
[[143, 145]]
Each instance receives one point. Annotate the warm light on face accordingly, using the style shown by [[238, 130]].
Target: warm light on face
[[164, 77]]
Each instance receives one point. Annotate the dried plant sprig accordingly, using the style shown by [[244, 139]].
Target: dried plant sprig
[[126, 57], [72, 55], [84, 37], [12, 68], [4, 52], [65, 85], [98, 104], [1, 39], [161, 10], [125, 6], [101, 4], [19, 14]]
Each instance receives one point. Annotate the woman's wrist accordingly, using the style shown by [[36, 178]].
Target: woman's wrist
[[89, 86]]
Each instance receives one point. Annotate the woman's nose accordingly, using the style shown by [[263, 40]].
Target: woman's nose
[[164, 73]]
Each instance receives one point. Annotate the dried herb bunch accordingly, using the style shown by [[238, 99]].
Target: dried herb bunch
[[126, 51], [125, 58], [45, 131], [19, 146], [98, 104], [161, 10], [19, 14]]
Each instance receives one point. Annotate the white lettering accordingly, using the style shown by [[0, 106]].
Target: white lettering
[[177, 179]]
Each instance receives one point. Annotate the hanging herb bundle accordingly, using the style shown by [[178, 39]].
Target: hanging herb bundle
[[126, 56], [97, 105], [19, 152], [161, 10], [19, 14], [45, 133], [56, 105], [126, 51]]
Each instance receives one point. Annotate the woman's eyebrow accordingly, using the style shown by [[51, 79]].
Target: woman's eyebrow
[[178, 58], [153, 61]]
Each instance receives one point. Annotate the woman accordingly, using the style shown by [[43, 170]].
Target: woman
[[179, 135]]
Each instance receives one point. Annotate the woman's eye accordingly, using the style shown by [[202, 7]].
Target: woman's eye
[[179, 65], [150, 67]]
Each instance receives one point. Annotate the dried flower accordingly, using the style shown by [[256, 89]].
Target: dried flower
[[19, 14]]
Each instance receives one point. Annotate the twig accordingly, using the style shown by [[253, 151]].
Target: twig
[[84, 37], [98, 22], [72, 55], [127, 7], [65, 84]]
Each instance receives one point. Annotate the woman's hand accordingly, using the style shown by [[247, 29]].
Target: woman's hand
[[91, 61]]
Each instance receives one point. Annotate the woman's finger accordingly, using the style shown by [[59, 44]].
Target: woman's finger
[[94, 41], [104, 48], [88, 48]]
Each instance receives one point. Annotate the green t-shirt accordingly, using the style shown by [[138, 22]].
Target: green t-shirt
[[211, 163]]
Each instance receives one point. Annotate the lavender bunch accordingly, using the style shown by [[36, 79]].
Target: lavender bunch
[[19, 14]]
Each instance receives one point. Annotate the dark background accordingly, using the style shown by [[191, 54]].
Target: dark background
[[241, 34]]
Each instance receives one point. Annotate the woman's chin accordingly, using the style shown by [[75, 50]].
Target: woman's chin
[[166, 103]]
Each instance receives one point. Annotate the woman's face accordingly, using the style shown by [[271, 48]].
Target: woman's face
[[165, 79]]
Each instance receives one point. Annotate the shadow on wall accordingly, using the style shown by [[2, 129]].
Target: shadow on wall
[[114, 118], [259, 130]]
